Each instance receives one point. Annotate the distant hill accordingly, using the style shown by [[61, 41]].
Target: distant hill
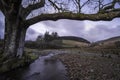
[[74, 39], [112, 39], [71, 41], [112, 42]]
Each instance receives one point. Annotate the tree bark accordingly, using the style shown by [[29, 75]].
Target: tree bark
[[21, 42], [14, 39], [10, 39]]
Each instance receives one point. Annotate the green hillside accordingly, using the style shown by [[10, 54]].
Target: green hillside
[[71, 41], [74, 38]]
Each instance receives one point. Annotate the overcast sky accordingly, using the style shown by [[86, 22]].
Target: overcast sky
[[90, 30]]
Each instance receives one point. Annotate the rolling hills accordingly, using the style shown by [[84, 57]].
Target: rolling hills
[[113, 42], [71, 41], [74, 38]]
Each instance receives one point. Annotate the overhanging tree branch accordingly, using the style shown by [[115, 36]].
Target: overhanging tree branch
[[31, 7], [73, 16]]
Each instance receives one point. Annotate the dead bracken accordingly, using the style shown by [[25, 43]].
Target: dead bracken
[[90, 67]]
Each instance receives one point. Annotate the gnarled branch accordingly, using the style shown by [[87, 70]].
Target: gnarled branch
[[31, 7], [74, 16]]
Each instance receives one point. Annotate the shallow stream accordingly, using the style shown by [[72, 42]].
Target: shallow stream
[[44, 68]]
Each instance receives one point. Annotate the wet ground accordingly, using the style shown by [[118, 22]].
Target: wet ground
[[44, 68]]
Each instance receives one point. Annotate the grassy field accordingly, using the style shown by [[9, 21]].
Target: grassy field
[[72, 43]]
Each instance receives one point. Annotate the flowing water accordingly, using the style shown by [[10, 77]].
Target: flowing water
[[44, 68]]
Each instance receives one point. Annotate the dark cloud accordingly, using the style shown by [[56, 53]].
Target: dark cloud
[[32, 34], [31, 31]]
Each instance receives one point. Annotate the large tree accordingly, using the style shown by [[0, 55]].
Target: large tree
[[20, 14]]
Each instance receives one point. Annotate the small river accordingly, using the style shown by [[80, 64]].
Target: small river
[[44, 68]]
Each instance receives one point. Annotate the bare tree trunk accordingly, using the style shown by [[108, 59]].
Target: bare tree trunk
[[10, 39], [21, 42], [14, 39]]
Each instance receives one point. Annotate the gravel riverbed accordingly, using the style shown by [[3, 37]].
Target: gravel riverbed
[[90, 66]]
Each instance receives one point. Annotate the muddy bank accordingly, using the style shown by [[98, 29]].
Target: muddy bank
[[91, 66]]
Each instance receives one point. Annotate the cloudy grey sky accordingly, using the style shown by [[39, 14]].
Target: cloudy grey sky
[[90, 30]]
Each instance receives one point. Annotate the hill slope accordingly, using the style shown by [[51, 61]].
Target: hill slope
[[78, 39], [113, 42], [71, 41], [112, 39]]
